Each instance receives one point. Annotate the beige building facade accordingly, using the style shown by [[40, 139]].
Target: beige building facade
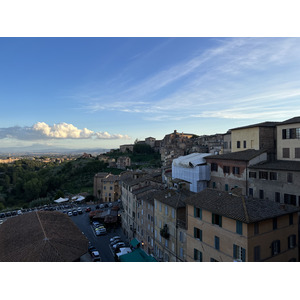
[[288, 140], [227, 228]]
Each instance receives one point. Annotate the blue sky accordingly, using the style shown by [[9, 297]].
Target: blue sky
[[103, 92]]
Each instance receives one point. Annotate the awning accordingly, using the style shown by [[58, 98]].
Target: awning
[[137, 255], [135, 243], [61, 200]]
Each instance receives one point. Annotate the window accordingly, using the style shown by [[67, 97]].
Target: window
[[256, 228], [198, 213], [160, 206], [166, 210], [277, 197], [181, 252], [226, 187], [261, 194], [273, 176], [263, 175], [226, 169], [290, 177], [251, 192], [283, 134], [291, 219], [238, 144], [181, 237], [252, 174], [239, 253], [214, 167], [110, 188], [275, 246], [236, 170], [274, 223], [198, 234], [297, 152], [245, 144], [197, 255], [217, 219], [166, 243], [292, 241], [290, 199], [257, 253], [173, 213], [286, 152], [217, 243], [239, 227]]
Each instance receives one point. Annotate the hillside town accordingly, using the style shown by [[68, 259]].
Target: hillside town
[[225, 197], [231, 197]]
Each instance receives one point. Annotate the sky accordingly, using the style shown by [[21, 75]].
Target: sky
[[102, 92]]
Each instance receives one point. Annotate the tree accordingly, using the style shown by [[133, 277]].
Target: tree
[[59, 194]]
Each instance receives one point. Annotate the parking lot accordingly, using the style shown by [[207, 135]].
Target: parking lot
[[101, 242]]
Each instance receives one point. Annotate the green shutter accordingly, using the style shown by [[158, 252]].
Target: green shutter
[[243, 254], [201, 235], [195, 232], [220, 219], [195, 254], [213, 218], [200, 256], [200, 213], [234, 251]]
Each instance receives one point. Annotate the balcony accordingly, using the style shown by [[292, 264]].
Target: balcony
[[164, 232]]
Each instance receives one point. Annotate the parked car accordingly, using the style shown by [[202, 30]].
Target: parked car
[[97, 206], [74, 212], [95, 224], [100, 230], [79, 210], [118, 245], [96, 256], [102, 205], [88, 209], [91, 248], [114, 238], [70, 214], [115, 242], [1, 221], [110, 204], [2, 215]]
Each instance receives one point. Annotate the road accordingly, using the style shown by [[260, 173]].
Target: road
[[101, 243]]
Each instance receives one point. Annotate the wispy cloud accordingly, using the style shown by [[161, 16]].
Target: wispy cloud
[[43, 131], [237, 78]]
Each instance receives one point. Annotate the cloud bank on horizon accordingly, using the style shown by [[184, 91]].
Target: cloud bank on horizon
[[43, 131]]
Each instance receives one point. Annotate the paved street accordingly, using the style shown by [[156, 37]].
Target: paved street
[[100, 242]]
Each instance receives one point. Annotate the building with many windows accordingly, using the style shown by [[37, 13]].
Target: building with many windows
[[224, 227], [170, 225], [230, 170]]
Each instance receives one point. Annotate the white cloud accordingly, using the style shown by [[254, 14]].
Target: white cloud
[[41, 131]]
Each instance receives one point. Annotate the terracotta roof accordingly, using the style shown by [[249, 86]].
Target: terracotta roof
[[263, 124], [245, 155], [284, 165], [290, 121], [43, 236], [173, 198], [230, 206]]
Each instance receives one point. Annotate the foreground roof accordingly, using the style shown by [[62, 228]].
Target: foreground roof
[[290, 121], [247, 210], [280, 165], [42, 236], [173, 198], [245, 155], [263, 124]]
